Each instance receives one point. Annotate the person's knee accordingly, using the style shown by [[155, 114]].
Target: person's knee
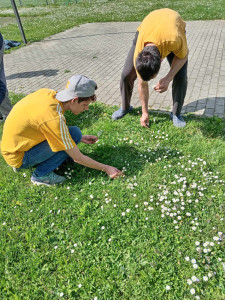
[[75, 133], [124, 76], [127, 78]]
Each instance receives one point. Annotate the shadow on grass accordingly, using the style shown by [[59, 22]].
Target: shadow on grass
[[155, 116], [211, 127], [133, 159], [107, 155]]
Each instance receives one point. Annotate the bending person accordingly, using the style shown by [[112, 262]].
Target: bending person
[[160, 35]]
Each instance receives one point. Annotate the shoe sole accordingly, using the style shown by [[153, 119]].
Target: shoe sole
[[41, 183], [179, 126]]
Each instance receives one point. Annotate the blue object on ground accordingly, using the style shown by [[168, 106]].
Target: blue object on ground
[[9, 44]]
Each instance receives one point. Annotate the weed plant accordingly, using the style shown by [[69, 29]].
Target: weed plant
[[157, 233]]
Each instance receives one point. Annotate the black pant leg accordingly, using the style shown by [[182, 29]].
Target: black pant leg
[[128, 76], [179, 86]]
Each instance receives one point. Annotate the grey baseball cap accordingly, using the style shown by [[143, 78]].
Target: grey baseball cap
[[77, 86]]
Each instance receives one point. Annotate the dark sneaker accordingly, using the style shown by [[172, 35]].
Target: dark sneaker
[[48, 180], [120, 113]]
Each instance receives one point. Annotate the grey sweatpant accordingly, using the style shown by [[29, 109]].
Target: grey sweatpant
[[179, 85], [5, 105]]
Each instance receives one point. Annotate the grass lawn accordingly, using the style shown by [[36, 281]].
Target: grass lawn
[[42, 21], [157, 233]]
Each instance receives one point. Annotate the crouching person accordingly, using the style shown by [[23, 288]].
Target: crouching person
[[35, 132]]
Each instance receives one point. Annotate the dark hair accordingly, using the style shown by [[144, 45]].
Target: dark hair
[[92, 98], [148, 62]]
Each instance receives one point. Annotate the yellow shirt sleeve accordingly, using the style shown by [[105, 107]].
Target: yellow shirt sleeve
[[180, 48], [57, 134]]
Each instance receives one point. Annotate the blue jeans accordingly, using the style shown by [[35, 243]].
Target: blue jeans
[[44, 158]]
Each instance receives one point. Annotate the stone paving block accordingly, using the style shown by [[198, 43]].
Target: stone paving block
[[190, 109], [212, 93], [220, 101], [201, 106], [51, 62], [209, 112], [219, 109], [210, 104]]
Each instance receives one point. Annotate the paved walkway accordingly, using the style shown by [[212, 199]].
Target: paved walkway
[[99, 50]]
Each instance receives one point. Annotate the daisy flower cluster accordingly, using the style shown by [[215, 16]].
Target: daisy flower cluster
[[178, 199], [207, 263], [68, 173]]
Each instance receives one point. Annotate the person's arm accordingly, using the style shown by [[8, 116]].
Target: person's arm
[[143, 96], [86, 161], [176, 65]]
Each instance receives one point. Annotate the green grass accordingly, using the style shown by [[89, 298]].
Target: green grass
[[95, 238], [42, 21]]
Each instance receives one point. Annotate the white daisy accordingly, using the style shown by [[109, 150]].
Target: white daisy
[[192, 291]]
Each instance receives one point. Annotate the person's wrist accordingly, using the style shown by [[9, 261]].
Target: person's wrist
[[104, 168], [169, 77]]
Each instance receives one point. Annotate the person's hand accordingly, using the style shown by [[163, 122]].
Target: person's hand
[[145, 120], [113, 172], [162, 85], [89, 139]]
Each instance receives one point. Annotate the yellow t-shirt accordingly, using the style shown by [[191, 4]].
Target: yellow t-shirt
[[37, 117], [166, 29]]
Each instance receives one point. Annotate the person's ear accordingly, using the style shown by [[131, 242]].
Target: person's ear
[[74, 99]]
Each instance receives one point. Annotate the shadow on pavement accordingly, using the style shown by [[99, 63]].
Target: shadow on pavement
[[206, 105], [87, 35], [46, 73]]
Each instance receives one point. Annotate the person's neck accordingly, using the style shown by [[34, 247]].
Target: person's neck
[[65, 105], [149, 44]]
